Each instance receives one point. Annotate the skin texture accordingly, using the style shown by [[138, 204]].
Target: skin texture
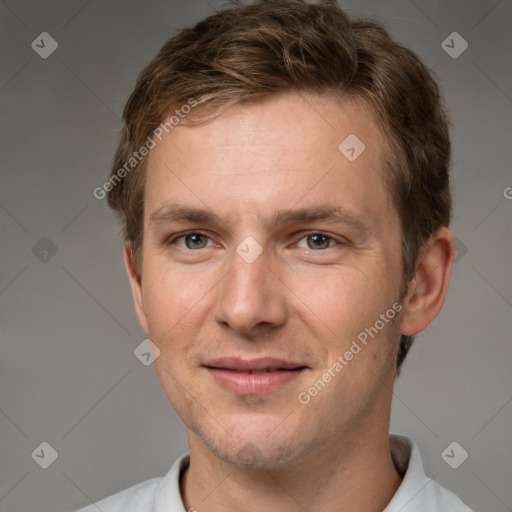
[[295, 301]]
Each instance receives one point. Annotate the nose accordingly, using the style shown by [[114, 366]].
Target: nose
[[251, 297]]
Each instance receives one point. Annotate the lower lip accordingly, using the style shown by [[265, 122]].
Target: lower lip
[[253, 383]]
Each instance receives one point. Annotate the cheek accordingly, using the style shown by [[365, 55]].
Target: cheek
[[168, 299], [344, 300]]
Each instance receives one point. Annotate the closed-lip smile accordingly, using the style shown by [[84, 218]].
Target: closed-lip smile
[[253, 376]]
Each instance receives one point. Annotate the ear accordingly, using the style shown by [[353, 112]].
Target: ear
[[428, 288], [136, 286]]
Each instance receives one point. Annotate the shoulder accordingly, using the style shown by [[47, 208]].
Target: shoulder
[[138, 498], [157, 494], [441, 499]]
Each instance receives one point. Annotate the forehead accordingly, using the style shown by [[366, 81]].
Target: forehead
[[294, 122], [279, 152]]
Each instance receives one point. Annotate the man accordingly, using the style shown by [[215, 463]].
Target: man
[[282, 180]]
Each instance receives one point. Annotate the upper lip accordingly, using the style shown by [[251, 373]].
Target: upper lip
[[263, 363]]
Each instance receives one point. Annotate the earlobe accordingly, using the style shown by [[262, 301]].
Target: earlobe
[[429, 286], [136, 287]]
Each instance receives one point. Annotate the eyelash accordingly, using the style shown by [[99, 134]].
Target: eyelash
[[172, 240]]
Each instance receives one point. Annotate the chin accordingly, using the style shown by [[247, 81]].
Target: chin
[[255, 454], [256, 447]]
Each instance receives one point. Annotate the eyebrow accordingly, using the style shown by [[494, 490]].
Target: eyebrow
[[172, 213]]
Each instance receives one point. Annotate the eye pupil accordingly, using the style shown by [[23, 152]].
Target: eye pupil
[[196, 241], [319, 241]]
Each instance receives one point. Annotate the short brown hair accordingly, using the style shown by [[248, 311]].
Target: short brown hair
[[250, 53]]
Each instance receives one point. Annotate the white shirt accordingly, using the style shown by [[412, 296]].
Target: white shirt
[[416, 493]]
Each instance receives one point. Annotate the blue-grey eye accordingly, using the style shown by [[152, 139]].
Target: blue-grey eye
[[193, 241], [318, 241]]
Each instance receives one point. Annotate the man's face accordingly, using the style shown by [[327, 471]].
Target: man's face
[[241, 288]]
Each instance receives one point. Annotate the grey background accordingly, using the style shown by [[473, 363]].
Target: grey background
[[68, 374]]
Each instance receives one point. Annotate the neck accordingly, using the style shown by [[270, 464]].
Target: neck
[[359, 478]]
